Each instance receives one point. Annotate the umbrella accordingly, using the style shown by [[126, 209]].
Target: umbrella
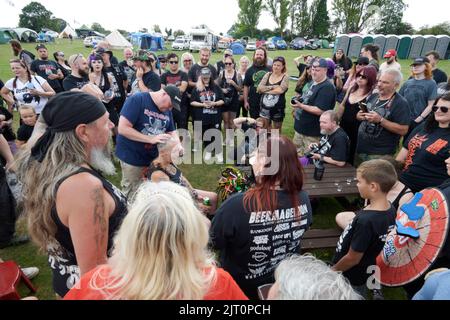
[[416, 242]]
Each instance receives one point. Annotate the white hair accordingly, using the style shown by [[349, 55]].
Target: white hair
[[244, 58], [398, 76], [308, 278]]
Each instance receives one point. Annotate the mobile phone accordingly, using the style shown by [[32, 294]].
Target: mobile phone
[[363, 107]]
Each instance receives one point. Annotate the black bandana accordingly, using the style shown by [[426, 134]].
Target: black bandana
[[64, 112]]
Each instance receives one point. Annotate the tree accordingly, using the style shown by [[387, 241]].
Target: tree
[[279, 10], [98, 27], [123, 32], [177, 33], [391, 17], [168, 32], [35, 16], [156, 28], [320, 20], [300, 17], [441, 28], [57, 24], [354, 15], [248, 17]]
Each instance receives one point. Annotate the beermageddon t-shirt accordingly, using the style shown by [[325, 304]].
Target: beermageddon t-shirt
[[366, 233], [425, 163], [146, 118], [44, 68], [323, 96], [252, 244], [372, 137], [253, 77]]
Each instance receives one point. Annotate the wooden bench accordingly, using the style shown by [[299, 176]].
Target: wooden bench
[[320, 239]]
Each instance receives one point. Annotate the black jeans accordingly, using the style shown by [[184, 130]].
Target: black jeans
[[7, 210]]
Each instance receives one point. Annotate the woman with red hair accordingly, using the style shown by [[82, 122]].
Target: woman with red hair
[[256, 230]]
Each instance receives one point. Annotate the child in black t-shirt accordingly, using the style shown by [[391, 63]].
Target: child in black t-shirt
[[364, 238], [29, 118]]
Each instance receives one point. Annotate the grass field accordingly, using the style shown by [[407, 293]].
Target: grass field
[[199, 175]]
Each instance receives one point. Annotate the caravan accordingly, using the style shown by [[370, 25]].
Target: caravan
[[201, 38]]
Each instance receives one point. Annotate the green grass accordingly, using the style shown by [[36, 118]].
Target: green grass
[[200, 176]]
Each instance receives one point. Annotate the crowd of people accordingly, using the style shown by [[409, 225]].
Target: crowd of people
[[106, 243]]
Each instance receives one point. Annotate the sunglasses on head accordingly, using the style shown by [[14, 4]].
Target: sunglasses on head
[[173, 62], [436, 108]]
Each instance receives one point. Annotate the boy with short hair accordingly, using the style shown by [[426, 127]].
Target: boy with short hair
[[29, 118], [364, 238]]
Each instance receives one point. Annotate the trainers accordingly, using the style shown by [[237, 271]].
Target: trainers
[[208, 156], [30, 272], [16, 241], [219, 158]]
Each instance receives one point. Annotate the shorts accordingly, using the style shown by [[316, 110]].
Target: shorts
[[275, 114], [302, 142]]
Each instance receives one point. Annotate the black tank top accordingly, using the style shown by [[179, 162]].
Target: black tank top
[[175, 178], [62, 257], [396, 202]]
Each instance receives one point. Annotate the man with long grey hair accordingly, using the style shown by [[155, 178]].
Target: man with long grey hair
[[73, 211]]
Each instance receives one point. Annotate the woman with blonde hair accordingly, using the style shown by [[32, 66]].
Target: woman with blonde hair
[[160, 254]]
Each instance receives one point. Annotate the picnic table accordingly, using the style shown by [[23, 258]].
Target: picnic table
[[336, 182]]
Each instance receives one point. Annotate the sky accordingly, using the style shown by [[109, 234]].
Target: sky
[[219, 15]]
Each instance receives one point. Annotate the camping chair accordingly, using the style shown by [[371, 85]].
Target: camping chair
[[10, 278]]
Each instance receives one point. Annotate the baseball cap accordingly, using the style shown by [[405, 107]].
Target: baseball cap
[[41, 46], [175, 96], [420, 60], [103, 50], [320, 63], [228, 52], [363, 60], [205, 72], [162, 58], [141, 55], [390, 53]]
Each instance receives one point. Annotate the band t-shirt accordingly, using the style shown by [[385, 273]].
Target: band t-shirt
[[372, 137], [150, 79], [72, 82], [22, 92], [321, 95], [194, 72], [365, 234], [141, 111], [253, 77], [44, 68], [425, 163], [207, 115], [335, 145], [439, 76], [252, 243], [174, 78], [418, 93]]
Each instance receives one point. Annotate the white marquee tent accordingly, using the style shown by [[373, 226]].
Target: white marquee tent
[[117, 41]]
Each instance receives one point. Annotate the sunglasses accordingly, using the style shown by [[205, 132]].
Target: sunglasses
[[362, 64], [362, 76], [228, 63], [436, 108], [173, 62]]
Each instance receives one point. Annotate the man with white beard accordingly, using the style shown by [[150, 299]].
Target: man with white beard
[[73, 210]]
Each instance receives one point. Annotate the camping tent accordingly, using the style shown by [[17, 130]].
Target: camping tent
[[342, 42], [149, 41], [68, 31], [354, 48], [380, 41], [416, 46], [429, 44], [324, 43], [443, 46], [404, 45], [117, 41], [6, 35], [26, 35], [391, 43], [237, 48]]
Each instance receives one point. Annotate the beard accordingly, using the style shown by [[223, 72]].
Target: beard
[[258, 61], [83, 73], [100, 159]]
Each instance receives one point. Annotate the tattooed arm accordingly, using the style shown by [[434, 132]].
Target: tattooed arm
[[84, 207]]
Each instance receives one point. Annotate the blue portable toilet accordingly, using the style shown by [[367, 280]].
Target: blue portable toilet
[[416, 47], [391, 43], [354, 48], [342, 42], [380, 41], [443, 46], [237, 48], [429, 44]]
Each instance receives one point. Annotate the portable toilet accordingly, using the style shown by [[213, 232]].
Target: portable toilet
[[367, 39], [354, 49], [404, 44], [380, 41], [342, 42], [429, 44], [391, 43], [416, 46], [443, 46]]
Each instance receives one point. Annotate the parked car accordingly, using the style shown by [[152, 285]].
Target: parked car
[[261, 43], [298, 43], [270, 46], [251, 46], [331, 45], [311, 45], [281, 45], [223, 44], [180, 44], [171, 38], [92, 41]]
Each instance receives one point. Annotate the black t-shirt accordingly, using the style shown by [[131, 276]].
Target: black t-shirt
[[118, 76], [207, 115], [252, 244], [323, 96], [439, 76], [253, 77], [152, 81], [174, 78], [373, 138], [335, 145], [130, 72], [194, 72], [301, 68], [366, 233], [24, 132], [72, 82], [220, 66], [445, 188], [8, 133], [425, 164], [44, 68], [1, 99]]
